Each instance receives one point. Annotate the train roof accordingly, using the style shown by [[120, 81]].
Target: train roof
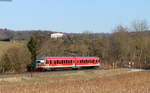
[[40, 58]]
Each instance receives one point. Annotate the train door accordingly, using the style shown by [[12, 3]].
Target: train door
[[73, 62], [52, 63], [77, 63]]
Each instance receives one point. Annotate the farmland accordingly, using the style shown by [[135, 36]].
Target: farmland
[[98, 81]]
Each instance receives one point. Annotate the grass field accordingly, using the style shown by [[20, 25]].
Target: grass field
[[102, 81]]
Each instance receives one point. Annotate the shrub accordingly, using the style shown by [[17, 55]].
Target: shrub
[[15, 59]]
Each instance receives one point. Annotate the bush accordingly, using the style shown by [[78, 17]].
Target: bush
[[15, 59]]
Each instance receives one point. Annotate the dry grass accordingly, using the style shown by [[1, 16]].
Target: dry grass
[[96, 82], [6, 45]]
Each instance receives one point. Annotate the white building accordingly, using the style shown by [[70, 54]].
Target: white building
[[57, 35]]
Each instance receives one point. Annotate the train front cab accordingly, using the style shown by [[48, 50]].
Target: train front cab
[[40, 65]]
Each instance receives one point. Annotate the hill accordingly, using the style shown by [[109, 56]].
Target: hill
[[6, 35], [6, 45]]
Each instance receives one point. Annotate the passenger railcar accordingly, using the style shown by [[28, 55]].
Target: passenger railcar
[[50, 63]]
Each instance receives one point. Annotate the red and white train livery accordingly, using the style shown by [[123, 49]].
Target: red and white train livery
[[49, 63]]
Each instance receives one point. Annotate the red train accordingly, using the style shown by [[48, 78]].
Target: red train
[[51, 63]]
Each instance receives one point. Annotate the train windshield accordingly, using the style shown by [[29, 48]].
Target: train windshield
[[40, 62]]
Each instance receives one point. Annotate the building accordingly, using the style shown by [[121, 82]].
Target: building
[[57, 35]]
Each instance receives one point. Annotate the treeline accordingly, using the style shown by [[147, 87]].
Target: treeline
[[11, 35]]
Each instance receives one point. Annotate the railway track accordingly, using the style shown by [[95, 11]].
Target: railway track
[[42, 74]]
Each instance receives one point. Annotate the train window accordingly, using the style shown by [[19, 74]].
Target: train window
[[70, 61], [60, 61], [65, 61], [47, 61], [50, 61], [57, 62], [38, 61], [54, 61]]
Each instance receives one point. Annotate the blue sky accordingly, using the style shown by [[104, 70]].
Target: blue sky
[[72, 15]]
